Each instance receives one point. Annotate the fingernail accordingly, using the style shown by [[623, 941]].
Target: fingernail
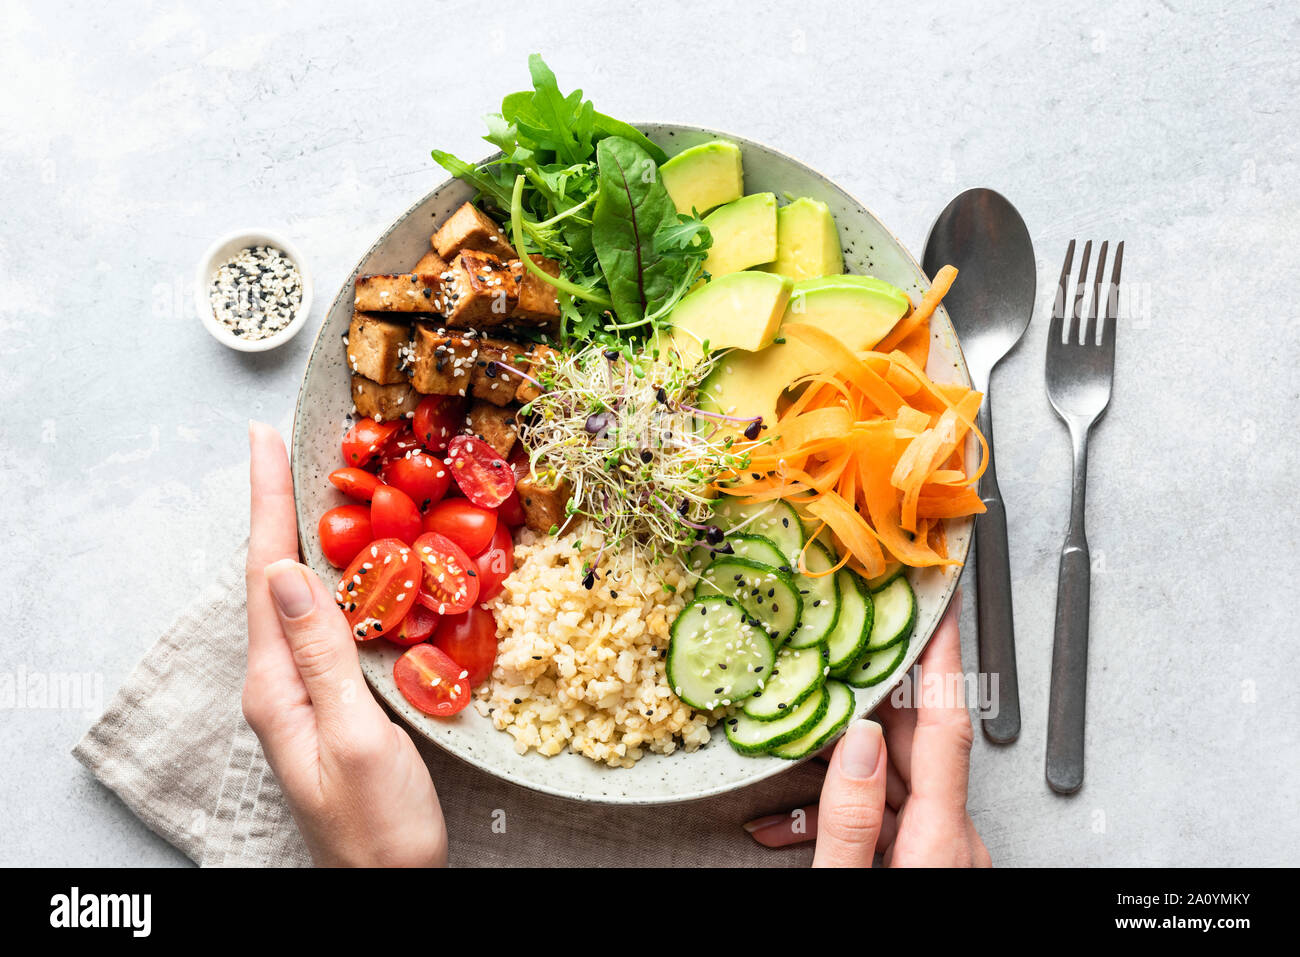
[[861, 751], [761, 822], [290, 589]]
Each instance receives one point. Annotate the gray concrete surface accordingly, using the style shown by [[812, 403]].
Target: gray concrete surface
[[131, 136]]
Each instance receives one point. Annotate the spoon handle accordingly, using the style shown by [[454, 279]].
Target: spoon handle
[[994, 624]]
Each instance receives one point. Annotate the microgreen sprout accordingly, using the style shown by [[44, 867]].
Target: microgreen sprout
[[622, 430]]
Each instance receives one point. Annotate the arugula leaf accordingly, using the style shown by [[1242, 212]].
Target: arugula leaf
[[632, 254]]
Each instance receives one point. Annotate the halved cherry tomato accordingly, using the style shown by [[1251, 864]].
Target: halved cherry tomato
[[484, 476], [495, 562], [470, 640], [437, 419], [511, 511], [394, 515], [450, 579], [355, 483], [420, 622], [343, 532], [366, 440], [463, 522], [379, 588], [420, 475], [402, 442], [431, 681]]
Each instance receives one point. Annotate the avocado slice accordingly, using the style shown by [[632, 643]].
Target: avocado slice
[[807, 242], [738, 311], [744, 234], [704, 176], [857, 310]]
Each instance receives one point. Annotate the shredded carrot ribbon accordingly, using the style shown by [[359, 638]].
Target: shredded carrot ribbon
[[872, 449]]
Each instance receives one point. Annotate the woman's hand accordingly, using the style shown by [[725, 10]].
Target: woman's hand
[[906, 801], [356, 785]]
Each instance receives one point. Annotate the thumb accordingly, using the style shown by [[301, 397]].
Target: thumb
[[320, 641], [852, 807]]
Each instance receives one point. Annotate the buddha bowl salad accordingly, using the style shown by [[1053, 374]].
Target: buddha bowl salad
[[631, 455]]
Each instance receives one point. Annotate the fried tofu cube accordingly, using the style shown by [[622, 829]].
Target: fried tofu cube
[[383, 403], [538, 361], [441, 364], [543, 504], [489, 379], [538, 303], [376, 348], [405, 292], [470, 228], [480, 291], [494, 425], [431, 264]]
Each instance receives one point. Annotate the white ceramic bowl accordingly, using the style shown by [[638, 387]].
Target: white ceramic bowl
[[324, 400], [221, 251]]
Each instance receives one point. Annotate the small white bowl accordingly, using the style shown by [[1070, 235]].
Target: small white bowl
[[216, 256]]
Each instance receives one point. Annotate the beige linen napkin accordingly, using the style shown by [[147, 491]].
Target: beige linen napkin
[[175, 747]]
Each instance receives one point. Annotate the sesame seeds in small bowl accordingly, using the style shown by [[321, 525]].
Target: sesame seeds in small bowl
[[253, 290]]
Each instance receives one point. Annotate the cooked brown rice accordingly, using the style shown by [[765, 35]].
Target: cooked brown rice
[[584, 668]]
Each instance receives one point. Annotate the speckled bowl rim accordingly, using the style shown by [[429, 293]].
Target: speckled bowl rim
[[764, 768]]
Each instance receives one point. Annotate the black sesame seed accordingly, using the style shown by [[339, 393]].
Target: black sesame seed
[[751, 431]]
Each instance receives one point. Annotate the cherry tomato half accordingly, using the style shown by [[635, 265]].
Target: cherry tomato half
[[484, 476], [355, 483], [437, 419], [420, 622], [402, 442], [431, 681], [394, 515], [495, 562], [463, 522], [450, 578], [379, 588], [366, 440], [470, 640], [420, 475], [343, 532]]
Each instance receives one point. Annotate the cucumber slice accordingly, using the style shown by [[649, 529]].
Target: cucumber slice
[[755, 737], [892, 571], [767, 594], [717, 654], [777, 521], [848, 642], [895, 615], [758, 548], [839, 712], [877, 666], [798, 673], [821, 599]]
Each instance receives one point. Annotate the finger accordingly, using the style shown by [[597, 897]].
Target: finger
[[942, 742], [888, 831], [782, 830], [322, 646], [851, 811], [896, 792], [900, 725], [272, 536], [800, 826]]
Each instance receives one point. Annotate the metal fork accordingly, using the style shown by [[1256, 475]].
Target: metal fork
[[1080, 368]]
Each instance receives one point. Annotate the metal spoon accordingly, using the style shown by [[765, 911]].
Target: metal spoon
[[990, 304]]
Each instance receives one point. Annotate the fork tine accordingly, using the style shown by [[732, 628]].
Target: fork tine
[[1112, 301], [1080, 288], [1090, 330], [1058, 307]]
